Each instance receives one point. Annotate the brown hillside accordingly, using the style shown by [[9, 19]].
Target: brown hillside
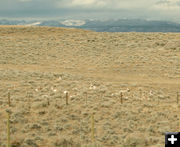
[[37, 64]]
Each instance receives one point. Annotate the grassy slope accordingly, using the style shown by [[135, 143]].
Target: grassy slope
[[35, 57]]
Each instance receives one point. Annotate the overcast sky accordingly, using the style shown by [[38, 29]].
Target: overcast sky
[[92, 9]]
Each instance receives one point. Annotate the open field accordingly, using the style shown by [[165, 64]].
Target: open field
[[37, 64]]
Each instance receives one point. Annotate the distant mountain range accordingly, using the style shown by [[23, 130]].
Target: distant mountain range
[[121, 25]]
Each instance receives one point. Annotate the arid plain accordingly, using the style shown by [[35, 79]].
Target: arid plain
[[129, 82]]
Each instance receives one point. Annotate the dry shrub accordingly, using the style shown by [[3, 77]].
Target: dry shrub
[[66, 143]]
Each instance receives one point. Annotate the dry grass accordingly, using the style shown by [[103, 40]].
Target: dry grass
[[38, 64]]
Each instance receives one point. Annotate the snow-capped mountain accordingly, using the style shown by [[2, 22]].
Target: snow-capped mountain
[[73, 22], [116, 25], [33, 24]]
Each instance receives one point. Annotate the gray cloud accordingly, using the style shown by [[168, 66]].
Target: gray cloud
[[168, 4], [168, 9]]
